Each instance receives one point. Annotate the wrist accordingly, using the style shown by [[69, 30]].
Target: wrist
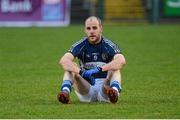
[[100, 69], [80, 71]]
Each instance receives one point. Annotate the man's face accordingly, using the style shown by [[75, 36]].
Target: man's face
[[93, 30]]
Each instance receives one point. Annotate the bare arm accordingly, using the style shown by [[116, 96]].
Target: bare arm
[[67, 63], [117, 63]]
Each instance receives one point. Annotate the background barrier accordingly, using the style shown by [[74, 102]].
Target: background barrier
[[34, 13]]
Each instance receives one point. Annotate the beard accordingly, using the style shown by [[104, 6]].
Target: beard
[[93, 39]]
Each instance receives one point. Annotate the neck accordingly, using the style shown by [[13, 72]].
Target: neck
[[96, 42]]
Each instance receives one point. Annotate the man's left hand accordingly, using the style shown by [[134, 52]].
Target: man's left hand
[[87, 74]]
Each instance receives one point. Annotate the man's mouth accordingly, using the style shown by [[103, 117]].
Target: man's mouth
[[92, 36]]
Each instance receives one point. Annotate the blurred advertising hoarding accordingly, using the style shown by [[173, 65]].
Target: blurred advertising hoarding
[[172, 7], [24, 13]]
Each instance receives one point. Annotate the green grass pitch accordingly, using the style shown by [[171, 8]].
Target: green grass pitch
[[30, 75]]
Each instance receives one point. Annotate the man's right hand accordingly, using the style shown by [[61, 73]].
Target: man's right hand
[[88, 74]]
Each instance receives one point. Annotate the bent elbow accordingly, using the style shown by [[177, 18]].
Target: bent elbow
[[61, 61], [122, 61]]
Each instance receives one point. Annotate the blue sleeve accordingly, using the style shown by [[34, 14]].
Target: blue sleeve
[[76, 48], [112, 49]]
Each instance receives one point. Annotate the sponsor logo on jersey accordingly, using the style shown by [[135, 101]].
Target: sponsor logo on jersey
[[91, 65]]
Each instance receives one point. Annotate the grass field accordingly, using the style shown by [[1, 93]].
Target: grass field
[[30, 76]]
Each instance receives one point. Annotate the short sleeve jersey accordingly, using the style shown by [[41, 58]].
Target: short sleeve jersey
[[91, 56]]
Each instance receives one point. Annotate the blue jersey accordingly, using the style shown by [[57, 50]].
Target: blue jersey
[[91, 56]]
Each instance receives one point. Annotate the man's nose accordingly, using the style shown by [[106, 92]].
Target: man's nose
[[91, 30]]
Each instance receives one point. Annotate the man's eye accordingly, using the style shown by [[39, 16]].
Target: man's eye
[[94, 28], [88, 28]]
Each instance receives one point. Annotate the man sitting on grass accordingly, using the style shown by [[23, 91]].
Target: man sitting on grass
[[98, 77]]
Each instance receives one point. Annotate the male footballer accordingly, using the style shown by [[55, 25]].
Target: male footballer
[[98, 77]]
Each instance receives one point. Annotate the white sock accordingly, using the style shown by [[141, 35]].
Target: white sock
[[116, 90], [66, 89]]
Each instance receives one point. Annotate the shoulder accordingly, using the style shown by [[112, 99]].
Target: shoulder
[[78, 47], [110, 44], [80, 42]]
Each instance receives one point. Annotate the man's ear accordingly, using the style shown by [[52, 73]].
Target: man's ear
[[84, 29], [101, 28]]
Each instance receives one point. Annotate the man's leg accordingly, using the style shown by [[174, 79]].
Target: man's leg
[[112, 86], [66, 87], [79, 84], [83, 89]]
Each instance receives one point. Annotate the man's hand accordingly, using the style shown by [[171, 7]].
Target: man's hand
[[88, 74]]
